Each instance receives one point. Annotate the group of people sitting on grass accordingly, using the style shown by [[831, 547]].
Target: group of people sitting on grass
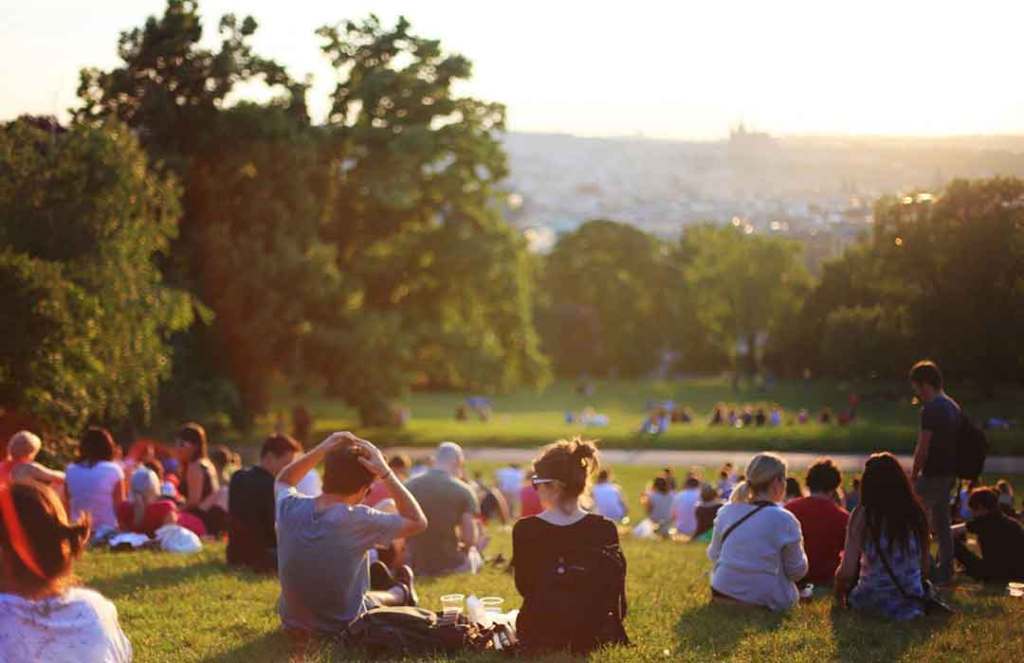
[[748, 416], [356, 546]]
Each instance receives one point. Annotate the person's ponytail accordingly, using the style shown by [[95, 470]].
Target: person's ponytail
[[741, 493]]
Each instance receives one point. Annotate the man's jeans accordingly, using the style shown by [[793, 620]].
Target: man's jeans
[[935, 493]]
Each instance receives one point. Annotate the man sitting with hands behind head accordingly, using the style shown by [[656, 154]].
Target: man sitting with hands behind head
[[322, 542]]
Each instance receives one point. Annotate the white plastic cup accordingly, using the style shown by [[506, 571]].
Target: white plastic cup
[[1015, 589], [451, 606], [492, 603]]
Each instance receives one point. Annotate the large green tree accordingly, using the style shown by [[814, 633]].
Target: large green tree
[[742, 286], [605, 303], [416, 221], [255, 181], [85, 312]]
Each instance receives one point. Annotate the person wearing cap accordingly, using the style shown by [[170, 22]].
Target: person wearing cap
[[449, 543]]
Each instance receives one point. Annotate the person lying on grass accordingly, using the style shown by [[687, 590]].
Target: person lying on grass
[[322, 542], [43, 616], [757, 547]]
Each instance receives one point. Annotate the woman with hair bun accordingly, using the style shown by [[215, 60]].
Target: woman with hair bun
[[43, 616], [757, 546], [569, 567]]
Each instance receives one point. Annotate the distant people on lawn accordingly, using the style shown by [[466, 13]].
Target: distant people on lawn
[[144, 512], [794, 490], [657, 500], [492, 503], [1000, 538], [607, 496], [95, 483], [888, 529], [756, 545], [822, 521], [684, 506], [450, 542], [43, 615], [934, 470], [707, 509], [509, 480], [199, 479], [252, 538], [852, 498], [323, 541], [20, 463], [569, 567]]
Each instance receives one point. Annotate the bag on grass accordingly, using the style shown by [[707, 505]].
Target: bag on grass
[[404, 631], [580, 601], [175, 538]]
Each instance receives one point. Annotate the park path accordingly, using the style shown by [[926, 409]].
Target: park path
[[677, 457]]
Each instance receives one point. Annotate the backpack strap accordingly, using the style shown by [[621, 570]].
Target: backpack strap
[[744, 519]]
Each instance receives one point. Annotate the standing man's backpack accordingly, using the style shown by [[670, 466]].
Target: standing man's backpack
[[581, 601], [971, 449]]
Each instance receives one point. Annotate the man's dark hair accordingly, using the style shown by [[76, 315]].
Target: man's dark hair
[[926, 372], [343, 473], [97, 445], [399, 462], [279, 445], [823, 476], [984, 498]]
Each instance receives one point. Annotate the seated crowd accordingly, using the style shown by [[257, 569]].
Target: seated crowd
[[357, 540]]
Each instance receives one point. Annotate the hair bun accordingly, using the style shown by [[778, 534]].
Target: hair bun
[[584, 451]]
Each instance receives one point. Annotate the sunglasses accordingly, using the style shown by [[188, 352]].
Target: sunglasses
[[537, 481]]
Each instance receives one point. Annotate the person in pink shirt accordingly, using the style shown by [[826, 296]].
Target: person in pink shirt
[[529, 501]]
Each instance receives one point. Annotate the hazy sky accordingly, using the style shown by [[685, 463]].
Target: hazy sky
[[673, 68]]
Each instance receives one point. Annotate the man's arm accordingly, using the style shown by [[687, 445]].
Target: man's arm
[[467, 529], [37, 472], [408, 508], [924, 440], [292, 474]]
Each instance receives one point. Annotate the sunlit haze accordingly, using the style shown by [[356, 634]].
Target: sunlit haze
[[663, 69]]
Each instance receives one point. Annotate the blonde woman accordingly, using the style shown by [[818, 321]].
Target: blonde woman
[[757, 547]]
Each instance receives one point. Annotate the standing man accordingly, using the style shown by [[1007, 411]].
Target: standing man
[[934, 472], [451, 507]]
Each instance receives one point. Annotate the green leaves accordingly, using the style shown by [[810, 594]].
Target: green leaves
[[85, 310]]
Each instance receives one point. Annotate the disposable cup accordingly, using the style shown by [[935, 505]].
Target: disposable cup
[[492, 603], [451, 604]]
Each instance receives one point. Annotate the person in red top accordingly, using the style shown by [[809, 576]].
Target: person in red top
[[823, 522], [529, 501], [144, 512]]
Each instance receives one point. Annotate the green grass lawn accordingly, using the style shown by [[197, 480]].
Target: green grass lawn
[[887, 419], [193, 608]]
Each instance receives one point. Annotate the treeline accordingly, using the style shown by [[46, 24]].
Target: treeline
[[938, 276], [171, 255]]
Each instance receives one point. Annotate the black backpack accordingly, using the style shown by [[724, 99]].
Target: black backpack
[[580, 602], [971, 449], [404, 631]]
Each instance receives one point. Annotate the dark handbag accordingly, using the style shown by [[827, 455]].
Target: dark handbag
[[931, 601]]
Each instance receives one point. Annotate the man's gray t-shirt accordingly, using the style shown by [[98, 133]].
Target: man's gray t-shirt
[[322, 562], [941, 416], [444, 500]]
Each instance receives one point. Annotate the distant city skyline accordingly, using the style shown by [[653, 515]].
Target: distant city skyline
[[664, 70]]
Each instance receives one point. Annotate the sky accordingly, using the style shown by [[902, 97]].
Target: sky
[[666, 69]]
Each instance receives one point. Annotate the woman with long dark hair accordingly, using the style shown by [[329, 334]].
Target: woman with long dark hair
[[888, 536], [95, 483], [199, 477]]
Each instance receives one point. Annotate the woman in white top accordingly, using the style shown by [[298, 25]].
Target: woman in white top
[[757, 546], [42, 617], [608, 497], [94, 483]]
